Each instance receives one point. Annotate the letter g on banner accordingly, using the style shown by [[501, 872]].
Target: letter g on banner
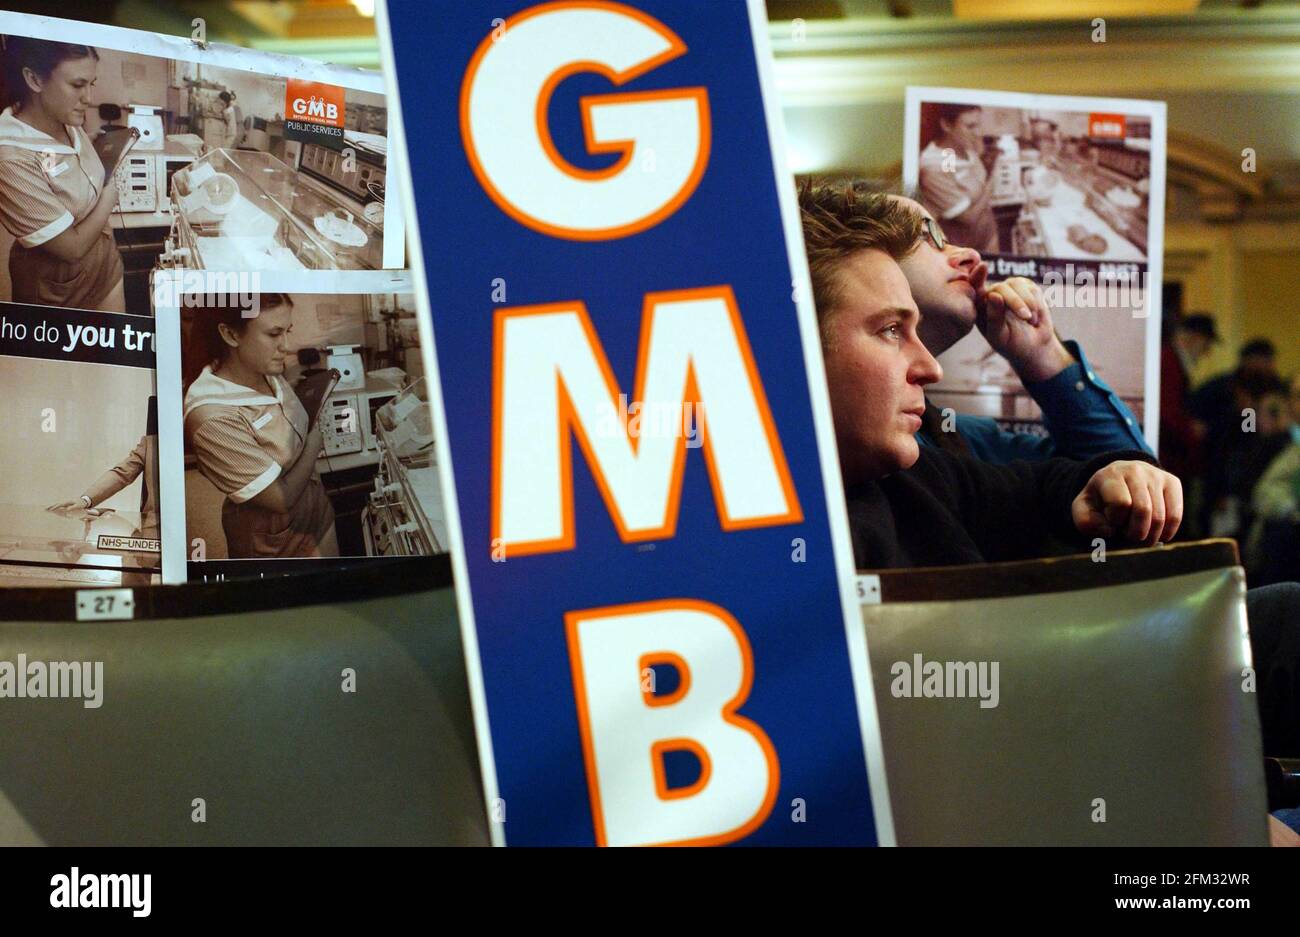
[[503, 118]]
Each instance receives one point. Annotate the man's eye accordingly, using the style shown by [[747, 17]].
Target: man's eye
[[893, 332]]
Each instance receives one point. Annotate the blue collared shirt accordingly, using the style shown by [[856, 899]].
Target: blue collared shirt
[[1083, 418]]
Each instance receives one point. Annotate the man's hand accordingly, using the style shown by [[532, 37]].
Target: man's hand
[[1133, 500], [1015, 319]]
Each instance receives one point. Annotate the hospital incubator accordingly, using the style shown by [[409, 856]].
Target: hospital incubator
[[405, 515], [246, 210]]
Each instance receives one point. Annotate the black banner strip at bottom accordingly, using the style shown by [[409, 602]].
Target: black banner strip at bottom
[[215, 885]]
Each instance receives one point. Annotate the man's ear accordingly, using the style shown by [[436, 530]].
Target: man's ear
[[33, 80], [228, 335]]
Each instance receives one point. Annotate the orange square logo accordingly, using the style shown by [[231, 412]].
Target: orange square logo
[[1106, 125], [313, 102]]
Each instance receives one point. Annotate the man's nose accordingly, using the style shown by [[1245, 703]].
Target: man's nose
[[964, 258], [925, 368]]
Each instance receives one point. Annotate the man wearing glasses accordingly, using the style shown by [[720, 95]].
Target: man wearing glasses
[[1083, 416]]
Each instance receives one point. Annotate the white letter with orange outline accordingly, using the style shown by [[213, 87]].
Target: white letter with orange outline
[[551, 377], [626, 732], [506, 133]]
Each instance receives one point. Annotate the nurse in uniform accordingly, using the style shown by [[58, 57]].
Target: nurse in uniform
[[954, 181], [230, 120], [249, 433], [53, 199]]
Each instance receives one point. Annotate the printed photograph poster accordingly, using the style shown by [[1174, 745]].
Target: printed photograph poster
[[1069, 192], [174, 155], [79, 453], [294, 426]]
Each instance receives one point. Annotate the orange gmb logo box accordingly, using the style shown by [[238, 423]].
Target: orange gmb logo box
[[1106, 125], [314, 112], [314, 102]]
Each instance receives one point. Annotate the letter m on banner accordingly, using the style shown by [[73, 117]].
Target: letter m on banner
[[553, 384]]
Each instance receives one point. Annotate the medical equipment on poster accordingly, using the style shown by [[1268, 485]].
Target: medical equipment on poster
[[355, 177], [246, 210], [132, 174], [346, 359], [339, 426], [394, 335], [340, 229], [211, 191], [144, 179], [1007, 186], [147, 119], [405, 516], [347, 421], [136, 181]]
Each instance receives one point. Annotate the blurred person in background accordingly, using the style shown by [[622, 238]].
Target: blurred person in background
[[1293, 402], [1216, 399], [1274, 546], [1182, 435], [1228, 405], [231, 119], [1272, 433]]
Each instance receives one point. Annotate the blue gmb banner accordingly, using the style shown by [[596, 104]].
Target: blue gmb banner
[[653, 568]]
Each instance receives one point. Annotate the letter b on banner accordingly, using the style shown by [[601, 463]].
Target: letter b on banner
[[626, 733]]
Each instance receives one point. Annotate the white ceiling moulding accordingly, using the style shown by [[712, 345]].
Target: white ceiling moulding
[[1273, 22], [1065, 9], [814, 81], [870, 60], [1152, 67]]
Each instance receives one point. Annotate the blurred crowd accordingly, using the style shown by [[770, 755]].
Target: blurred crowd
[[1234, 440]]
